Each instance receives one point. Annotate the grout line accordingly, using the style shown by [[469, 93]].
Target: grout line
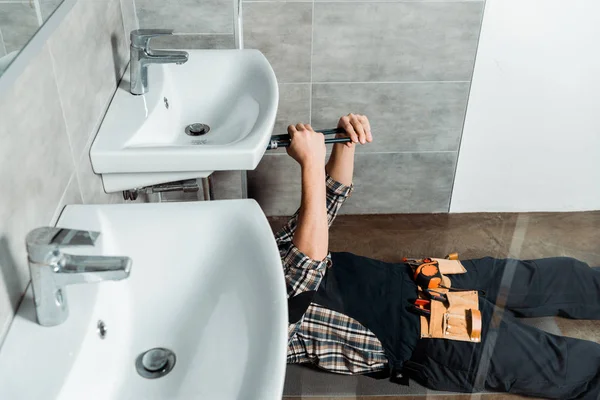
[[135, 13], [62, 109], [386, 82], [462, 132], [382, 152], [369, 83], [312, 40], [58, 209], [38, 12], [2, 45], [366, 2], [202, 34]]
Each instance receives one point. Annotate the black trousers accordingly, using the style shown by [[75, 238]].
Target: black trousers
[[514, 357]]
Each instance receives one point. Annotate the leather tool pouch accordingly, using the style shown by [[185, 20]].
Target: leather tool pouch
[[459, 318], [449, 267]]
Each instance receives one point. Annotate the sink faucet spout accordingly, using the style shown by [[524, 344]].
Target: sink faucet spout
[[141, 56], [51, 269]]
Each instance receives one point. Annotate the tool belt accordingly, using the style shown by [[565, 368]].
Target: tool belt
[[445, 313]]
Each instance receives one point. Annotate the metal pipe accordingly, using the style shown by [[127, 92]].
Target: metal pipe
[[207, 188], [238, 25], [285, 141]]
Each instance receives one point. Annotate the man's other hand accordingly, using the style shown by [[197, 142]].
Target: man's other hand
[[357, 127], [307, 147]]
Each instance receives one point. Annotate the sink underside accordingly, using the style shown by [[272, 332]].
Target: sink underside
[[206, 283], [142, 140]]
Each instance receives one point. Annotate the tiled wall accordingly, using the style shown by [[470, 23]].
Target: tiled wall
[[19, 20], [199, 24], [405, 64], [50, 116], [48, 120]]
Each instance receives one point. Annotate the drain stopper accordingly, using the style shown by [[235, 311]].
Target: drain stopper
[[197, 129], [155, 363], [155, 360]]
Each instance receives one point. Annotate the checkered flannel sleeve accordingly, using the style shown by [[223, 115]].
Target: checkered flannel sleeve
[[301, 272]]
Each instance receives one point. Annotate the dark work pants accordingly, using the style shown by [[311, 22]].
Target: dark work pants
[[514, 357]]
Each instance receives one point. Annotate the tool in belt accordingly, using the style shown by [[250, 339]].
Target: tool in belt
[[445, 313]]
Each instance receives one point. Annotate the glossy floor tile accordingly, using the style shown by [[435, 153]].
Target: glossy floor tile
[[391, 237]]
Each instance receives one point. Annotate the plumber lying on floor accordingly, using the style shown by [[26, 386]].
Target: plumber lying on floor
[[426, 319]]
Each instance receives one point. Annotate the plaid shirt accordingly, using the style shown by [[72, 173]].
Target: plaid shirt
[[323, 337]]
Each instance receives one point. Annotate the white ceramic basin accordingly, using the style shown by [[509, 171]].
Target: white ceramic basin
[[206, 282], [142, 141]]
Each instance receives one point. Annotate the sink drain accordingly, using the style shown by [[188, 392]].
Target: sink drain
[[197, 129], [155, 363]]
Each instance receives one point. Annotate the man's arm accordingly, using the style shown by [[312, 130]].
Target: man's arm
[[303, 241], [312, 232], [338, 183], [340, 166]]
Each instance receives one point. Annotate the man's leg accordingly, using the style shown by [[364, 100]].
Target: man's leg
[[536, 288], [512, 357]]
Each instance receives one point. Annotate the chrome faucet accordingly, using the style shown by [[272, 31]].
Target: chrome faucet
[[51, 269], [141, 55]]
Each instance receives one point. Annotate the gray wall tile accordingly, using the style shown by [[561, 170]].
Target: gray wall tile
[[403, 116], [92, 189], [35, 167], [294, 106], [402, 183], [18, 22], [278, 1], [48, 7], [3, 51], [385, 183], [395, 41], [227, 185], [202, 41], [71, 195], [130, 19], [88, 66], [398, 1], [2, 48], [191, 16], [282, 31], [275, 184]]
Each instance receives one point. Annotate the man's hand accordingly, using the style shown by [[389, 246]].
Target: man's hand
[[341, 163], [307, 147], [357, 127]]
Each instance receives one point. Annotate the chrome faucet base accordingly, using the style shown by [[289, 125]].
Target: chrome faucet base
[[51, 269], [141, 56]]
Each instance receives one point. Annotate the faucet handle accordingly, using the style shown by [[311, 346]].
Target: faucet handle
[[41, 241], [141, 37], [61, 237]]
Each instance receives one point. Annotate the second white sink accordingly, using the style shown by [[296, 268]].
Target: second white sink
[[206, 283], [142, 140]]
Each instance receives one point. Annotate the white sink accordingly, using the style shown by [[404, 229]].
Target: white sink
[[206, 282], [142, 140]]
